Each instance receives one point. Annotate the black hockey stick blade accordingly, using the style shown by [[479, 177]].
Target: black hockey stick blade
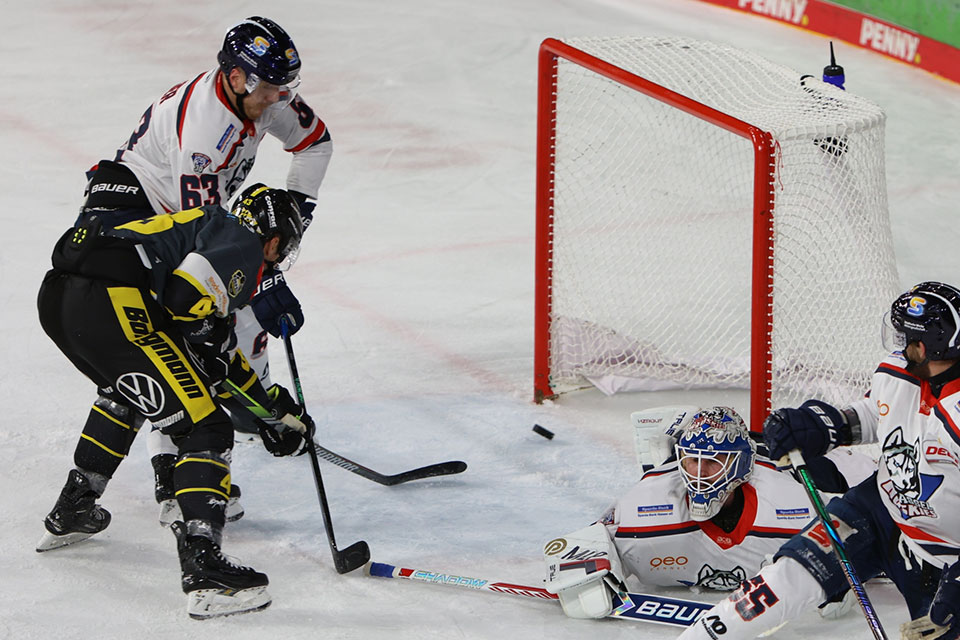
[[351, 558], [431, 470]]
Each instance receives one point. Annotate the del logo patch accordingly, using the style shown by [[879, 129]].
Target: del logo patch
[[237, 281]]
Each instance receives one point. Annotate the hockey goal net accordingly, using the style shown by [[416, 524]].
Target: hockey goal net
[[706, 218]]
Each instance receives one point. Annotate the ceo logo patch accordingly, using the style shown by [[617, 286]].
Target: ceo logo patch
[[235, 286]]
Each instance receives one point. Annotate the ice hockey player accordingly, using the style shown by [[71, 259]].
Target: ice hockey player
[[145, 310], [195, 146], [707, 520], [905, 519]]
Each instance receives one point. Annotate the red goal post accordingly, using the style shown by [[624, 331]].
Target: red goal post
[[629, 170]]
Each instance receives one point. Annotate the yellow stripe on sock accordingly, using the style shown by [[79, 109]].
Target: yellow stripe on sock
[[107, 449]]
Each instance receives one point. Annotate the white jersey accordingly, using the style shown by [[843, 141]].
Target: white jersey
[[191, 149], [918, 474], [660, 544]]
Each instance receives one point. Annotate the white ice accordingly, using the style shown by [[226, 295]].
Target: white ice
[[417, 282]]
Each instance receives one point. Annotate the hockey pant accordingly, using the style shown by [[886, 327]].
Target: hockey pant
[[252, 343], [119, 337]]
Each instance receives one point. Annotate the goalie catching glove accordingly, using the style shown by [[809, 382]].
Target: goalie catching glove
[[287, 435], [585, 587]]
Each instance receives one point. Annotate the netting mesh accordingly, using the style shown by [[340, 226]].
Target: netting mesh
[[653, 224]]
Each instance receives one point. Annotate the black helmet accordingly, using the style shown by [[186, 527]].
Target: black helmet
[[263, 50], [929, 313], [271, 213]]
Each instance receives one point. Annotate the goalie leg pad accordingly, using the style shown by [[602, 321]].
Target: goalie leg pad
[[655, 432]]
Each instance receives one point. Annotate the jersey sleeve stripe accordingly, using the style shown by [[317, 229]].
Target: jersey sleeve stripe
[[319, 131], [949, 425], [182, 109], [661, 530], [897, 372]]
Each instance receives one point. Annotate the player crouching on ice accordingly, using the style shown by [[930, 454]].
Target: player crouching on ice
[[145, 309], [706, 519], [904, 519]]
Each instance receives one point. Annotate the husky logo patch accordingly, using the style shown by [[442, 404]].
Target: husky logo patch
[[235, 286], [200, 162], [718, 579], [907, 488]]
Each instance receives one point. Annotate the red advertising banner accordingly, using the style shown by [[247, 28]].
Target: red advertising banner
[[858, 29]]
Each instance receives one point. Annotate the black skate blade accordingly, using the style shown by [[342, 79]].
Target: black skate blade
[[352, 558]]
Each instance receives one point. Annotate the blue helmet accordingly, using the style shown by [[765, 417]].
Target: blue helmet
[[263, 50], [927, 313], [715, 455]]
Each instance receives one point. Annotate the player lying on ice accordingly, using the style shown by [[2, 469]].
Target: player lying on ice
[[904, 520], [145, 309], [706, 518]]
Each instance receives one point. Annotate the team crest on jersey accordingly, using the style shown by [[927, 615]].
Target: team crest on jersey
[[718, 579], [235, 286], [200, 162], [907, 488]]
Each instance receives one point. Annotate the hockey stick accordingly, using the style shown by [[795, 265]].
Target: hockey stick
[[357, 554], [431, 470], [448, 468], [796, 458], [635, 606]]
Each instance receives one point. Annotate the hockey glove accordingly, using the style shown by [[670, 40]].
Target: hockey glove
[[814, 428], [211, 342], [945, 610], [273, 301], [290, 437], [585, 588], [306, 204]]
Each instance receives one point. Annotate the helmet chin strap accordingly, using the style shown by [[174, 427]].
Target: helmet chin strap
[[238, 99]]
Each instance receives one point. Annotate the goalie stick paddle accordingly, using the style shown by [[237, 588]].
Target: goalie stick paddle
[[873, 620], [633, 606], [357, 554], [448, 468]]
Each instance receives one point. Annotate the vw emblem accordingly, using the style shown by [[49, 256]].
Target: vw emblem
[[143, 392]]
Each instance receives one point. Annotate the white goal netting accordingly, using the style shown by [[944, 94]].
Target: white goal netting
[[652, 225]]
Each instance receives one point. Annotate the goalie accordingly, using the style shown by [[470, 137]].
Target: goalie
[[705, 520]]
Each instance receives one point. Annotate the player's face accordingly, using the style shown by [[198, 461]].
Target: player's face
[[263, 96], [271, 250], [705, 469]]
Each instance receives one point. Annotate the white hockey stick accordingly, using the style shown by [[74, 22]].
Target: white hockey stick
[[636, 606]]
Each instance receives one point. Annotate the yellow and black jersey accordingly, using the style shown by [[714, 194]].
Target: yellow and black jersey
[[200, 262]]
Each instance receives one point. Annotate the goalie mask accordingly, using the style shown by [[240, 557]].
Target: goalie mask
[[716, 456]]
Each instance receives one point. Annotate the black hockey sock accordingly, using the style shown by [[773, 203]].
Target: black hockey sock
[[106, 437], [202, 483]]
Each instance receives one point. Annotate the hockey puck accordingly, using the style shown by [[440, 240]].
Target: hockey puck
[[546, 433]]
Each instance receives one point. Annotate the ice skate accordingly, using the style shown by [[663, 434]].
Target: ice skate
[[216, 586], [75, 517]]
